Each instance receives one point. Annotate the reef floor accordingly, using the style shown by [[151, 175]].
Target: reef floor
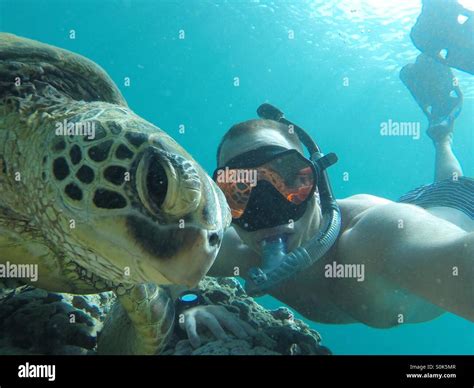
[[34, 321]]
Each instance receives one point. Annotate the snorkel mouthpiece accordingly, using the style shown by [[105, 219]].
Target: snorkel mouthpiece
[[277, 264], [273, 252]]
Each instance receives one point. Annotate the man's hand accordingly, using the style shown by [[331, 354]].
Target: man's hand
[[215, 318]]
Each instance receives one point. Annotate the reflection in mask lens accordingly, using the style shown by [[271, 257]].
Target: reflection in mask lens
[[291, 175]]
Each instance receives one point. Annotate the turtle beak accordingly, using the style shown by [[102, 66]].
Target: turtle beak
[[189, 269]]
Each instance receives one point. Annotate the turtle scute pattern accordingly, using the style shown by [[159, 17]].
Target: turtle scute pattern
[[92, 171]]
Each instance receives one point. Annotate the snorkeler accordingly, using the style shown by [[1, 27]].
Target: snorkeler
[[363, 259]]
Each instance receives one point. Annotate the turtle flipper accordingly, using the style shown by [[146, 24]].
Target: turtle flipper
[[140, 322]]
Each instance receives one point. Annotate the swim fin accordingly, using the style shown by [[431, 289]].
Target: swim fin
[[433, 87], [445, 31]]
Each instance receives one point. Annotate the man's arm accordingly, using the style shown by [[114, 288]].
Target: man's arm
[[424, 254], [217, 319]]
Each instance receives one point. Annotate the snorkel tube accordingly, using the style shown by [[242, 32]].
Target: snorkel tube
[[277, 264]]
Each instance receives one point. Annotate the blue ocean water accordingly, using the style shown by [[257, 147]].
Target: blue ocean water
[[332, 66]]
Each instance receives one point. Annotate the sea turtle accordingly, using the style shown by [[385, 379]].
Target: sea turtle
[[95, 196]]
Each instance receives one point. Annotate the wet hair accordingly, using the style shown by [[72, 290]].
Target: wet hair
[[253, 126]]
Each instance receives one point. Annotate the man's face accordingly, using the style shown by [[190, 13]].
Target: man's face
[[297, 232]]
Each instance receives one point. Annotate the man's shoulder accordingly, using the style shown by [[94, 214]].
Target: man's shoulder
[[363, 199], [354, 206]]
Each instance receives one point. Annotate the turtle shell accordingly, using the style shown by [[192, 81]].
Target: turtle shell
[[31, 67]]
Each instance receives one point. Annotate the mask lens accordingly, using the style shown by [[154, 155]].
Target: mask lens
[[237, 195], [292, 175], [237, 185]]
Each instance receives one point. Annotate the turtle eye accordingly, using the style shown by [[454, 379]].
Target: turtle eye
[[156, 182], [168, 185], [152, 181]]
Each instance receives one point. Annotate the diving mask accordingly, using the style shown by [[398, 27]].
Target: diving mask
[[267, 187]]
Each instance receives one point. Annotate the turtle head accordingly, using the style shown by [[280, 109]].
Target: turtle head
[[123, 199], [143, 207]]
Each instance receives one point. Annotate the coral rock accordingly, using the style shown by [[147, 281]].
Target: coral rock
[[34, 321]]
